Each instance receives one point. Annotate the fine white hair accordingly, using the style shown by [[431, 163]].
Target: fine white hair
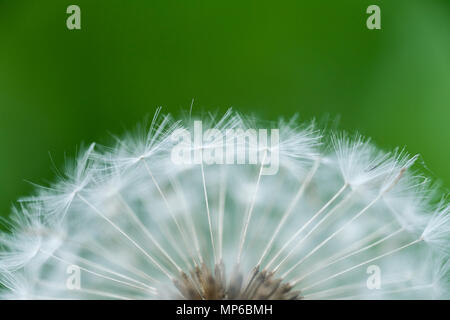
[[132, 224]]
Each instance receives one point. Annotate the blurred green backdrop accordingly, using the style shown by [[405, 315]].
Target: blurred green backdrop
[[60, 87]]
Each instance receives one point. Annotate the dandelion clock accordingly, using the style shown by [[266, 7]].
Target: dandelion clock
[[231, 208]]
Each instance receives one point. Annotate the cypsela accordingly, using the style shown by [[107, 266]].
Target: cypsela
[[235, 146]]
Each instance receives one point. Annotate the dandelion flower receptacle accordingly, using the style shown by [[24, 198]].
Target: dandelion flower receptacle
[[222, 208]]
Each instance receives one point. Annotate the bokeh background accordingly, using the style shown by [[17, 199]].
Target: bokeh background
[[317, 58]]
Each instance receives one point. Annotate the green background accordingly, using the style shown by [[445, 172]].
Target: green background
[[271, 58]]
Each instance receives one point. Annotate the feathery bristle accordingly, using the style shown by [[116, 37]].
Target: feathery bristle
[[239, 212]]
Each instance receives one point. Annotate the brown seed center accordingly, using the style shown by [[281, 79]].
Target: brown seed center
[[202, 284]]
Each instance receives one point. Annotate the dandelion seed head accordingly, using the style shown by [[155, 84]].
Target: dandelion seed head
[[437, 231], [129, 222]]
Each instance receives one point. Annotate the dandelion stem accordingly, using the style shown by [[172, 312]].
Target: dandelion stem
[[189, 218], [165, 202], [338, 289], [331, 236], [133, 215], [103, 252], [126, 236], [96, 273], [205, 193], [381, 193], [222, 195], [413, 288], [250, 211], [118, 274], [104, 294], [98, 293], [393, 234], [289, 210], [333, 291], [338, 193], [361, 264], [361, 242]]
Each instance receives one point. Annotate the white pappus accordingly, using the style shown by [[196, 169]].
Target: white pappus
[[126, 222]]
